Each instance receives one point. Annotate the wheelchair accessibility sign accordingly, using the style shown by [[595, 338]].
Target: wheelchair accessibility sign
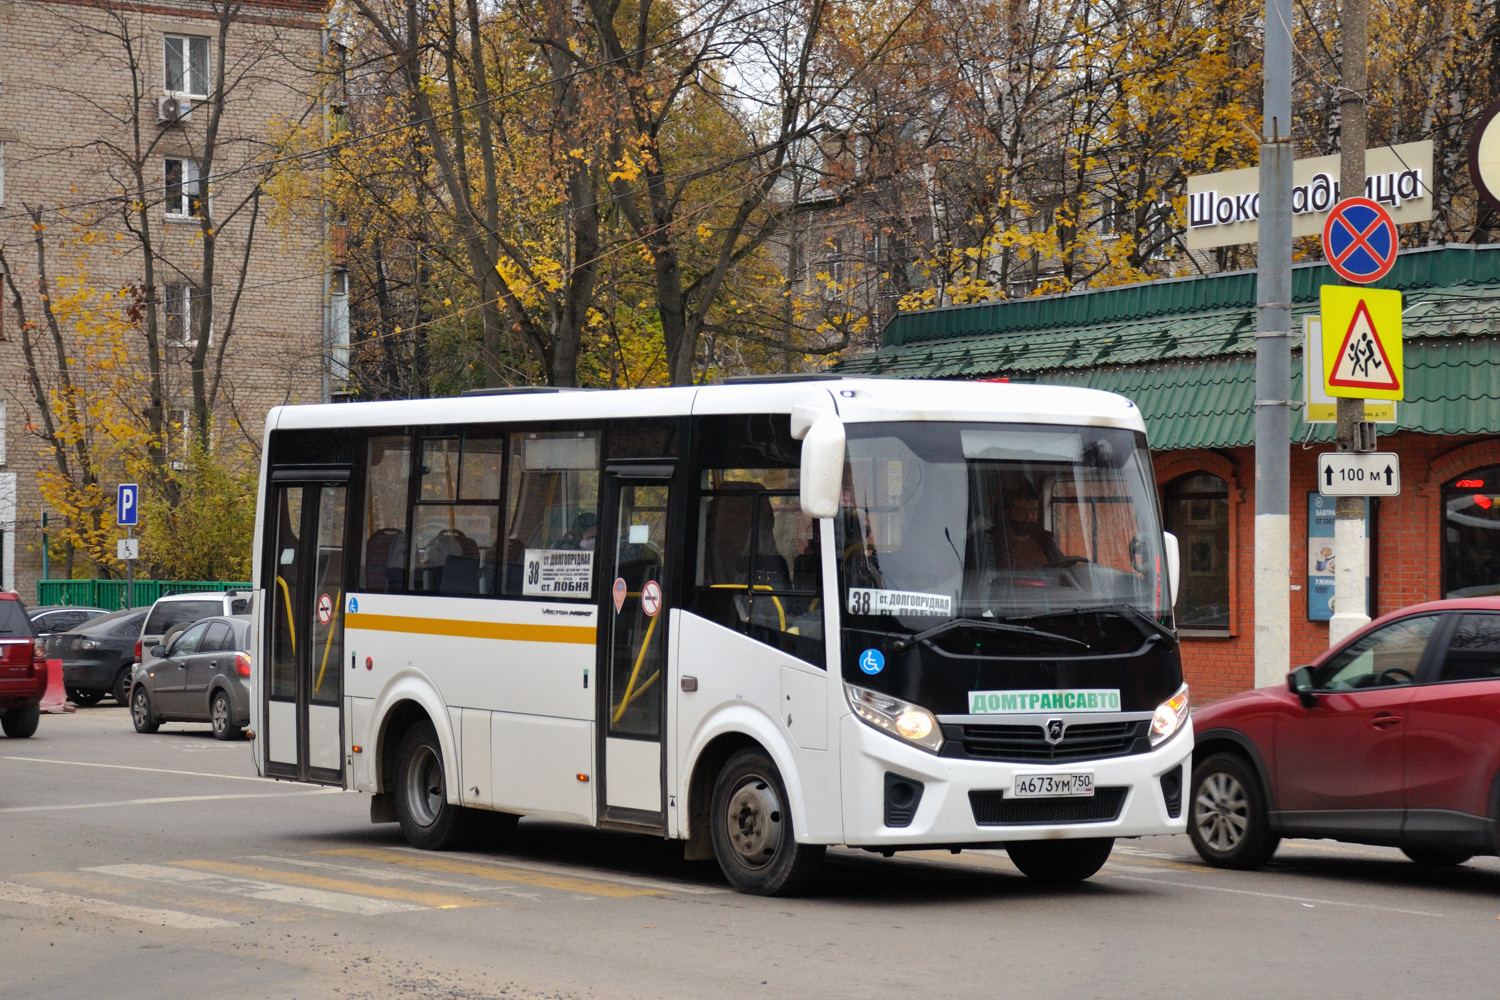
[[872, 661]]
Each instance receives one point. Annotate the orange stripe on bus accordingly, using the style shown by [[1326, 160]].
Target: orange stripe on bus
[[583, 634]]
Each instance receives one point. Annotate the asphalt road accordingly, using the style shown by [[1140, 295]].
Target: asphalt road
[[158, 867]]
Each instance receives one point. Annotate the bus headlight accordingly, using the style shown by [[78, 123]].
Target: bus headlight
[[1169, 716], [902, 719]]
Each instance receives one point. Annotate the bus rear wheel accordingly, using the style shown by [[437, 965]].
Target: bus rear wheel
[[1059, 861], [428, 820], [752, 832]]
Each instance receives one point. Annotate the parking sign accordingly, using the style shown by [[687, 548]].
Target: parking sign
[[126, 508]]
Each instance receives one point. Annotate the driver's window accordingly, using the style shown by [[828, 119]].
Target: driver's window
[[1389, 655], [188, 641]]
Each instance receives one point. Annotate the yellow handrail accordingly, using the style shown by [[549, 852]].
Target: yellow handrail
[[291, 626], [332, 627], [780, 611], [626, 698]]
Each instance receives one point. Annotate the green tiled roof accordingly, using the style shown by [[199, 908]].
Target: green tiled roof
[[1183, 349]]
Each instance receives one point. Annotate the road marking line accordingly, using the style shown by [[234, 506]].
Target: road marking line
[[435, 900], [506, 872], [152, 770], [15, 892], [276, 892], [1153, 880], [149, 802], [253, 910], [572, 871], [394, 876]]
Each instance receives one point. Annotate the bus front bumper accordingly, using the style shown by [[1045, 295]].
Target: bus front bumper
[[959, 801]]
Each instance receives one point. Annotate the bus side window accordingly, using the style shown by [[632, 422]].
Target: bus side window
[[553, 496], [383, 569], [758, 567]]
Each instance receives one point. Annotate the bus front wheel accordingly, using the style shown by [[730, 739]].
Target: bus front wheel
[[428, 820], [1060, 860], [752, 830]]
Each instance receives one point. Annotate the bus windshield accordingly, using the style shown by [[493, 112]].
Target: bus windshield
[[1000, 523]]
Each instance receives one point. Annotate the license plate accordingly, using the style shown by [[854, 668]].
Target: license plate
[[1031, 786]]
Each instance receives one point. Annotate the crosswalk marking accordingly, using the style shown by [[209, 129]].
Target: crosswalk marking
[[527, 874], [353, 881], [33, 896], [254, 888], [416, 897], [391, 876]]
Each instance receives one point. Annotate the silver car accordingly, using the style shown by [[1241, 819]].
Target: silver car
[[202, 676]]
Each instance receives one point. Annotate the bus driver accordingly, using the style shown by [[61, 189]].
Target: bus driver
[[1020, 540]]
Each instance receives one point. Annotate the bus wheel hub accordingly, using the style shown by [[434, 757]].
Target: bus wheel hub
[[755, 821]]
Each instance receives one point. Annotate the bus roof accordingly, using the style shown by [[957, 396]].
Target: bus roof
[[857, 400]]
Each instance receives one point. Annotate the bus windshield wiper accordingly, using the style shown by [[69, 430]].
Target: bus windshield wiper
[[1130, 611], [985, 624]]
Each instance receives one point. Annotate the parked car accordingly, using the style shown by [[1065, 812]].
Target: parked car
[[1391, 737], [23, 670], [52, 620], [98, 656], [202, 675], [181, 610]]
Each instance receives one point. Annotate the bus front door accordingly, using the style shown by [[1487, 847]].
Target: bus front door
[[634, 620], [305, 624]]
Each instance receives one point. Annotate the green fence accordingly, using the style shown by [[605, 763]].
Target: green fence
[[114, 594]]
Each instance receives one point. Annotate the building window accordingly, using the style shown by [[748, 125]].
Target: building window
[[1471, 534], [183, 306], [184, 199], [2, 173], [338, 323], [187, 65], [1196, 510]]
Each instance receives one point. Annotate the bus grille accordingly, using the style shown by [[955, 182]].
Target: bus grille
[[994, 809], [1028, 744]]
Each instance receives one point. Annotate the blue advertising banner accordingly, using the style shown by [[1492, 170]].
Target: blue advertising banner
[[1321, 513]]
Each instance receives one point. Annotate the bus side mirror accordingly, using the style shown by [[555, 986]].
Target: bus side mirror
[[1174, 564], [1300, 683], [822, 466]]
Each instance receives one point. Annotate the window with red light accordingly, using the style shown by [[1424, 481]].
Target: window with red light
[[1471, 534]]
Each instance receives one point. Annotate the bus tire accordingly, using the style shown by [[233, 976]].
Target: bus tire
[[1058, 861], [428, 820], [1227, 818], [752, 832]]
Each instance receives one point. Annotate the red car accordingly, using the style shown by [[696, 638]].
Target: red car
[[1392, 737], [23, 669]]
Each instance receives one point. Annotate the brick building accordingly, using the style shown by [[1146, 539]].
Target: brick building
[[143, 135], [1183, 350]]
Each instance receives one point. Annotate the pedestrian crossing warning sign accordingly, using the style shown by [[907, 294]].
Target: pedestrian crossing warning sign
[[1362, 343]]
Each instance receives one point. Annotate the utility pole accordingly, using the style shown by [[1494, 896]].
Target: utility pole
[[1273, 356], [1351, 569]]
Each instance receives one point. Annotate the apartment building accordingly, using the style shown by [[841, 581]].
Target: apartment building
[[140, 145]]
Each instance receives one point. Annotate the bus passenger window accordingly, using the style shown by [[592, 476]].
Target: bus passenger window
[[456, 523], [552, 504], [383, 567]]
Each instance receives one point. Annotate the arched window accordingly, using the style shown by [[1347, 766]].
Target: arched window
[[1471, 533], [1196, 510]]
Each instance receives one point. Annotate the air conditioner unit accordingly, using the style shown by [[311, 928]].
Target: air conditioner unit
[[171, 110]]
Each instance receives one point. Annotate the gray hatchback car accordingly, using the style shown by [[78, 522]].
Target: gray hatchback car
[[202, 676]]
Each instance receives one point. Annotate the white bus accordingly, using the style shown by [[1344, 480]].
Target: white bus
[[758, 618]]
